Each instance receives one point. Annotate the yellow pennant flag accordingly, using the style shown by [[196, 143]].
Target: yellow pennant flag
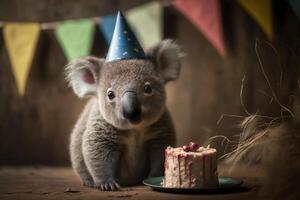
[[146, 22], [261, 11], [20, 41]]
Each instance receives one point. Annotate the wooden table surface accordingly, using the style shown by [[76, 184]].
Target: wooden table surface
[[61, 183]]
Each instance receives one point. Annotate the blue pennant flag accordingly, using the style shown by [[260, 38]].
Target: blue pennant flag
[[124, 44], [295, 4], [107, 25]]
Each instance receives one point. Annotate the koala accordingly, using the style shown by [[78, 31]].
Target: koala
[[120, 137]]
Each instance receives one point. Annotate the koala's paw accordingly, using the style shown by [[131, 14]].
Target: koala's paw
[[107, 185], [88, 183]]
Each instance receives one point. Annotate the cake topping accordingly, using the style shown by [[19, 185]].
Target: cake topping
[[191, 147], [186, 148]]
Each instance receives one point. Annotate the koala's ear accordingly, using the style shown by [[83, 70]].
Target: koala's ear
[[82, 75], [167, 56]]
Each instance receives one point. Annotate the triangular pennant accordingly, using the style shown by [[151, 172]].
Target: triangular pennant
[[21, 40], [107, 25], [261, 11], [75, 37], [295, 4], [146, 21], [206, 16]]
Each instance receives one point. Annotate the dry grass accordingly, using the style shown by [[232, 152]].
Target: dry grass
[[271, 142]]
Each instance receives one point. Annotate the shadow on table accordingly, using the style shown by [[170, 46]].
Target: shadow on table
[[240, 189]]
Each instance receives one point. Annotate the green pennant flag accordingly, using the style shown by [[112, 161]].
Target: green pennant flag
[[75, 37], [147, 22]]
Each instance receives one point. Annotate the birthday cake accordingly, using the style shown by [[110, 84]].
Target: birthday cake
[[190, 166]]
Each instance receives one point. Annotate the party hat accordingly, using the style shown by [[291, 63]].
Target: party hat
[[124, 44]]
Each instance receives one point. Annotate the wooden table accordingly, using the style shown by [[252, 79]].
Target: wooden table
[[61, 183]]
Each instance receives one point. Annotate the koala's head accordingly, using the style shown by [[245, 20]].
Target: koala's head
[[130, 93]]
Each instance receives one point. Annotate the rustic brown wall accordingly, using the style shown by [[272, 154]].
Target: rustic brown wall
[[35, 129]]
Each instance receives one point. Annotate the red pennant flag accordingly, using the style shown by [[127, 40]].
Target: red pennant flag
[[206, 16]]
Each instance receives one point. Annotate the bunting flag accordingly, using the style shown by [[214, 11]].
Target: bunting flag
[[75, 37], [20, 41], [107, 25], [206, 16], [146, 22], [295, 4], [261, 11]]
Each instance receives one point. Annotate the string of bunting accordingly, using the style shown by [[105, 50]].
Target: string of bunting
[[76, 36]]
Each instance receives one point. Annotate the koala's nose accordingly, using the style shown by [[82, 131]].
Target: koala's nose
[[131, 107]]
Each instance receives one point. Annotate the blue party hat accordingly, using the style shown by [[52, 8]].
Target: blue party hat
[[124, 44]]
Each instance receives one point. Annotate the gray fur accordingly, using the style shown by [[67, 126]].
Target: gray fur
[[106, 149]]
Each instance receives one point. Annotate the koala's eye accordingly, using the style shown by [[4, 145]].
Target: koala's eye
[[147, 88], [110, 94]]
